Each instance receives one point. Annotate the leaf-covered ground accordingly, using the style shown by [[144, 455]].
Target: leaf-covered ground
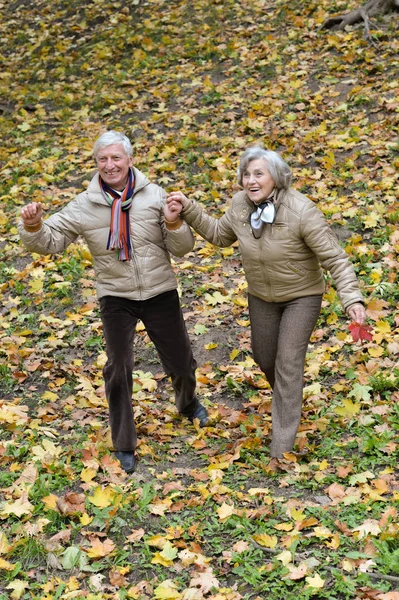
[[204, 517]]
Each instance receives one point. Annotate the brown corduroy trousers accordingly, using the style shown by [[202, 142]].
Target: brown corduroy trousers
[[280, 334], [163, 320]]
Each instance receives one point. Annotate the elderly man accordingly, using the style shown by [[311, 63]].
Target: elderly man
[[130, 232]]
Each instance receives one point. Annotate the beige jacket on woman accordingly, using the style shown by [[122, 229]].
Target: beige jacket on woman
[[149, 273], [287, 261]]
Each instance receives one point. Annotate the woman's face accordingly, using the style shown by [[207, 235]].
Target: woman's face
[[257, 181]]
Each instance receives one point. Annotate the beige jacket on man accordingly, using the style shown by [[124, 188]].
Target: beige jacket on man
[[287, 261], [149, 273]]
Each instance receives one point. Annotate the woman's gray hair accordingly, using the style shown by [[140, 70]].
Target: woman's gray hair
[[112, 137], [277, 167]]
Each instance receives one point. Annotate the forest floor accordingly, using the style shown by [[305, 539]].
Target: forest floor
[[204, 516]]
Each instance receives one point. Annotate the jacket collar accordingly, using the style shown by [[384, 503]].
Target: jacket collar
[[95, 192], [278, 197]]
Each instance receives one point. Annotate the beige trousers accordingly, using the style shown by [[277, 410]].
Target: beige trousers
[[280, 334]]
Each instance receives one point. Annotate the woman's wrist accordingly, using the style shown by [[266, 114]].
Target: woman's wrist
[[33, 227]]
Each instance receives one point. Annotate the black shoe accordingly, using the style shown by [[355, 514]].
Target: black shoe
[[200, 413], [127, 460]]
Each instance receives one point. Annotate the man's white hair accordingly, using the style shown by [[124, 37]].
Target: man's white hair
[[112, 137]]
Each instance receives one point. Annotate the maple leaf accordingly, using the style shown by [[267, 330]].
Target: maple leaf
[[225, 511], [360, 331], [360, 392], [285, 557], [99, 549], [315, 582], [5, 565], [368, 527], [297, 572], [18, 586], [268, 541], [102, 497], [205, 581], [167, 590], [20, 507], [349, 408]]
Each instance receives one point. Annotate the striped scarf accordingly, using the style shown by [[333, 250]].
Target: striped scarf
[[119, 230]]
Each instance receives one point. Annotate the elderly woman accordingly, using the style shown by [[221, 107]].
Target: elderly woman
[[285, 244]]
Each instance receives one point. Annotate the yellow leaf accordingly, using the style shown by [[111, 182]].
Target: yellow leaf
[[47, 451], [5, 565], [285, 557], [297, 515], [372, 220], [20, 507], [102, 497], [268, 541], [234, 353], [210, 346], [240, 301], [100, 549], [376, 351], [315, 582], [13, 415], [158, 541], [159, 507], [19, 588], [349, 408], [36, 286], [225, 511], [284, 527], [4, 545], [85, 519], [167, 590], [335, 542], [51, 396], [50, 501], [169, 552], [88, 474], [243, 322], [158, 559]]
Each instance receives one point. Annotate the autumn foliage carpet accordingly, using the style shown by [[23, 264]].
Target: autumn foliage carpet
[[204, 517]]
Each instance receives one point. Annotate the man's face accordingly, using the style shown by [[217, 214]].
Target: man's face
[[113, 165]]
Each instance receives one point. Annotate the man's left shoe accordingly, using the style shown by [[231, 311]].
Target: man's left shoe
[[127, 460], [201, 414]]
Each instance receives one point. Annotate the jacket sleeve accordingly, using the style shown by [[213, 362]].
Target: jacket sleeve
[[57, 232], [321, 240], [216, 231]]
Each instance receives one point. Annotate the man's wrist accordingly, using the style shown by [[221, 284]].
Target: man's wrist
[[172, 225], [33, 227]]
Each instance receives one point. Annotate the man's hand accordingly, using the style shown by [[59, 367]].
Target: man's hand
[[176, 201], [32, 214], [357, 313], [172, 211]]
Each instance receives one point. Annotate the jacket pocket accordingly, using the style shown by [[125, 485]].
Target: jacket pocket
[[296, 267], [280, 231]]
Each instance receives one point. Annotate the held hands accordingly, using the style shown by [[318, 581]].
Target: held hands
[[357, 313], [175, 202], [32, 214]]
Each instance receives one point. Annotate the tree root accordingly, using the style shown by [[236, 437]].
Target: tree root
[[362, 13]]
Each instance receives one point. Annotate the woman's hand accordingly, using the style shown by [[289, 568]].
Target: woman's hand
[[32, 213], [357, 313]]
